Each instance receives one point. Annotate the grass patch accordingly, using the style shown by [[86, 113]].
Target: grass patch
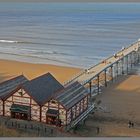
[[6, 132]]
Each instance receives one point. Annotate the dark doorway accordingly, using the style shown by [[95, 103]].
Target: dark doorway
[[18, 115], [51, 120], [52, 117]]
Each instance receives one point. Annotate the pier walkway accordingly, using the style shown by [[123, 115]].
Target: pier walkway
[[107, 70], [85, 76]]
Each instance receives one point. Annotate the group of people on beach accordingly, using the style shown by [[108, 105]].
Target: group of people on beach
[[130, 124]]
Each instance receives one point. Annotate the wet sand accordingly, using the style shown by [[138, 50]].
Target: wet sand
[[9, 69]]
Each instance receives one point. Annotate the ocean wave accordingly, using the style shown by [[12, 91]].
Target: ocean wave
[[38, 57], [15, 41], [8, 41]]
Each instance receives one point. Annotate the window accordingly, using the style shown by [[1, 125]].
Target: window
[[53, 102], [20, 93]]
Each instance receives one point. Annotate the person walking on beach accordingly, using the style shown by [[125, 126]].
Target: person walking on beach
[[98, 130], [129, 124], [132, 124]]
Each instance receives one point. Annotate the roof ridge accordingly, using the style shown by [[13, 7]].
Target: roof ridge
[[13, 79], [40, 84], [48, 73]]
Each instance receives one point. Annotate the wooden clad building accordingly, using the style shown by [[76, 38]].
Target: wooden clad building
[[42, 99]]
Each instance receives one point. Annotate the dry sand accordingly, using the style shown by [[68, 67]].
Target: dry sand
[[9, 69], [120, 102]]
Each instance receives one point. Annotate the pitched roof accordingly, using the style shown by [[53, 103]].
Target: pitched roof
[[42, 88], [8, 86], [72, 94]]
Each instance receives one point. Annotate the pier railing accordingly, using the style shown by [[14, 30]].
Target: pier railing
[[83, 116], [84, 71]]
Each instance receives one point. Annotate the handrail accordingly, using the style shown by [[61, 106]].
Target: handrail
[[83, 71], [83, 115]]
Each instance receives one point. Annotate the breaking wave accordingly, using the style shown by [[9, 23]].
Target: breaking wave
[[8, 41], [14, 41]]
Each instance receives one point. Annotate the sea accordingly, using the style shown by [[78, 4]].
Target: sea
[[66, 34]]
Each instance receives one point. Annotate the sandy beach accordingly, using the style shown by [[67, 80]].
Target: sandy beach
[[9, 69], [119, 100], [119, 104]]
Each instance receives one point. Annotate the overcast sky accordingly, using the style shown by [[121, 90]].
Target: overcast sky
[[69, 0]]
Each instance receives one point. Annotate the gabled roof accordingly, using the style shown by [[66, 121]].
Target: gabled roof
[[71, 95], [42, 88], [8, 86]]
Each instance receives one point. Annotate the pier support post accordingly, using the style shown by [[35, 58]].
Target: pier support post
[[127, 63], [98, 84], [134, 58], [122, 61], [111, 68], [105, 79], [138, 57], [117, 69], [131, 61], [90, 88]]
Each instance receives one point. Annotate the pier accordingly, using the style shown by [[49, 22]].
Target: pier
[[109, 69], [106, 72]]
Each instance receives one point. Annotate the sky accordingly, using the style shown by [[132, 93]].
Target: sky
[[69, 0]]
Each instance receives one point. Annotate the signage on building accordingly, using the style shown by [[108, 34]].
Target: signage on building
[[21, 100]]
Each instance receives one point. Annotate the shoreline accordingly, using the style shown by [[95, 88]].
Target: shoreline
[[37, 60], [11, 68]]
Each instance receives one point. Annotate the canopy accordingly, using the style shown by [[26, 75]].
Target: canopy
[[52, 112], [20, 108]]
